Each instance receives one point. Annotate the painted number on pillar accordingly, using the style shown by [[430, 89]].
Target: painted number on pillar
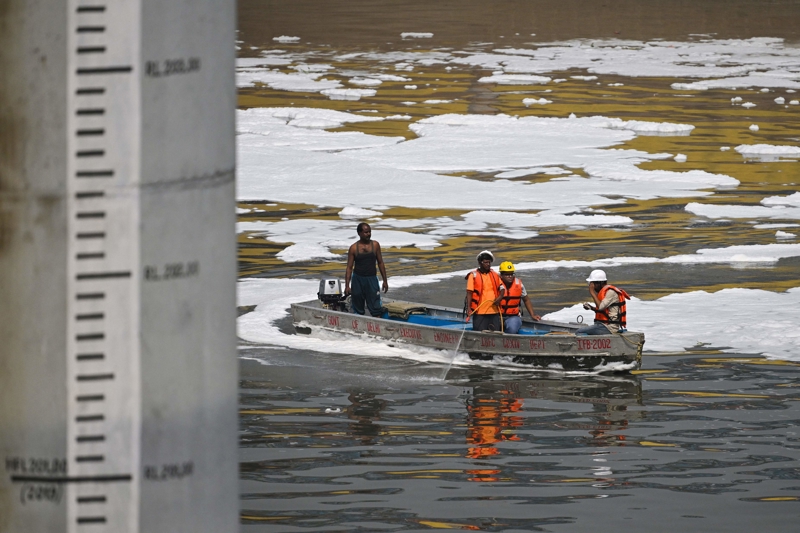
[[169, 271], [171, 67]]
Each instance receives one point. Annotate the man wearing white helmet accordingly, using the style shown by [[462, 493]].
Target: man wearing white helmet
[[609, 306], [483, 288]]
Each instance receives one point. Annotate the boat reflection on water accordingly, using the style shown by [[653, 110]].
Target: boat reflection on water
[[365, 411], [499, 410]]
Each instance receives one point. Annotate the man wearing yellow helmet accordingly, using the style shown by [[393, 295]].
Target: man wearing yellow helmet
[[512, 293]]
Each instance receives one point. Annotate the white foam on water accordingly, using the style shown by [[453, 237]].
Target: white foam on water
[[358, 213], [533, 101], [753, 321], [643, 127], [348, 94], [717, 63], [452, 143], [733, 211], [244, 63], [783, 207], [791, 200], [732, 255], [515, 79], [303, 130], [767, 150], [268, 169], [773, 79], [353, 169], [734, 63], [295, 82], [259, 119], [313, 239], [365, 82], [756, 253], [391, 77], [552, 171], [773, 226], [313, 67]]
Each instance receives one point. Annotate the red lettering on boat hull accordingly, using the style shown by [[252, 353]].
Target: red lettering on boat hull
[[411, 333], [510, 343], [594, 344], [449, 338]]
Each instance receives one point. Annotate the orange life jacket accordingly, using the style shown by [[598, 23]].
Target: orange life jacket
[[602, 316], [477, 284], [509, 305]]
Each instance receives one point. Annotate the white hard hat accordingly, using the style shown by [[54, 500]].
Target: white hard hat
[[597, 275], [486, 252]]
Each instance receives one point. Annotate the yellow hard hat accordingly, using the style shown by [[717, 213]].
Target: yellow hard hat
[[506, 266]]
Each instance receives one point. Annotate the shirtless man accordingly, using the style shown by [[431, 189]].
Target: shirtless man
[[362, 257]]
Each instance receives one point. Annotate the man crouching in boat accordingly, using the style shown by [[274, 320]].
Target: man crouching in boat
[[609, 306], [512, 294], [483, 289], [362, 257]]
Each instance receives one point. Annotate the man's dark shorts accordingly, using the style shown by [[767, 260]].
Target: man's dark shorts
[[484, 322]]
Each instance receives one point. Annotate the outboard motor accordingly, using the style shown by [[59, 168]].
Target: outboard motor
[[331, 295]]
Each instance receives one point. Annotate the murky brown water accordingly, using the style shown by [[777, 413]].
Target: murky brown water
[[377, 23], [694, 442], [669, 228]]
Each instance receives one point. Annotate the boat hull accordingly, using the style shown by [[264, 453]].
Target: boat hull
[[544, 345]]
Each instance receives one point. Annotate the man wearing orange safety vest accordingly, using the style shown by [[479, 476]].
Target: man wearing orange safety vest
[[609, 306], [483, 289], [512, 294]]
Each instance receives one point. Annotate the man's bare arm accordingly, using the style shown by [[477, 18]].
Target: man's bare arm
[[529, 306], [351, 259], [381, 267], [594, 295]]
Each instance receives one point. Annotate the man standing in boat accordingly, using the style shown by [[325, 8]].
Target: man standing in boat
[[362, 257], [609, 306], [483, 289], [513, 293]]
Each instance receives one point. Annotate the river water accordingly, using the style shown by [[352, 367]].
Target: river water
[[656, 140]]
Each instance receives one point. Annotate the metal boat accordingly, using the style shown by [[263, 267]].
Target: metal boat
[[539, 344]]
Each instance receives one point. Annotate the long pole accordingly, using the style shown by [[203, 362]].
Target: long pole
[[117, 266]]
